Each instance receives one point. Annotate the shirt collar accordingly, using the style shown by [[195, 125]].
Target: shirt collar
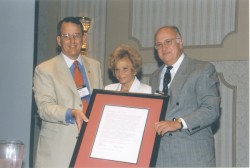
[[177, 64], [69, 61]]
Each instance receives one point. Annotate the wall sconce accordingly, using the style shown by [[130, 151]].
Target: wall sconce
[[86, 22]]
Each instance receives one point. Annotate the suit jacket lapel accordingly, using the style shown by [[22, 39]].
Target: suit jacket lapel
[[156, 78], [180, 77], [178, 82], [67, 76], [90, 75]]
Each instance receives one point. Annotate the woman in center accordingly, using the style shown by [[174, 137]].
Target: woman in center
[[125, 63]]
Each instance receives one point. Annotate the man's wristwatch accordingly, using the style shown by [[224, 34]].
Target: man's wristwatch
[[179, 121]]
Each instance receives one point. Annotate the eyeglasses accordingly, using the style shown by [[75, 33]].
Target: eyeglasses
[[167, 42], [75, 36]]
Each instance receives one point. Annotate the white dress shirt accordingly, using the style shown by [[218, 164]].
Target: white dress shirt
[[137, 87], [172, 71]]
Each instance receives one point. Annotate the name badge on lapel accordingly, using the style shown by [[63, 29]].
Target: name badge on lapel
[[83, 92]]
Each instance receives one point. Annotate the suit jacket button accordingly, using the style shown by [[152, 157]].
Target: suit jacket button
[[177, 104], [170, 134]]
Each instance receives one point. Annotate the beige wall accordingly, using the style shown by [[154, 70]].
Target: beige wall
[[234, 46], [233, 52], [118, 31]]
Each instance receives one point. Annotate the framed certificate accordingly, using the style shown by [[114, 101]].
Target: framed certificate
[[120, 131]]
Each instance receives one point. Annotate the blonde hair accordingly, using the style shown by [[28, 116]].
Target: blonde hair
[[123, 51]]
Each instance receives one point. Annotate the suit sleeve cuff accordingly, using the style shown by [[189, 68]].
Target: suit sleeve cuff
[[184, 124], [69, 119]]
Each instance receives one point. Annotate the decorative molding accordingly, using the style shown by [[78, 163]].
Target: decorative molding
[[225, 137], [202, 23], [237, 74]]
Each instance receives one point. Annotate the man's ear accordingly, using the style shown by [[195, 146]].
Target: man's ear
[[181, 43], [58, 40]]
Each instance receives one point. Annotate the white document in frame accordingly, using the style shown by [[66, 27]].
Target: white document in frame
[[120, 134]]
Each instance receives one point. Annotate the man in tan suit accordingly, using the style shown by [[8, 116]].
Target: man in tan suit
[[58, 99]]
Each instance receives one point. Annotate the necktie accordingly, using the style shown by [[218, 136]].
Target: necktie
[[78, 76], [79, 83], [166, 80]]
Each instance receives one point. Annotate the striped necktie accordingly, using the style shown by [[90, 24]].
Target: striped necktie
[[166, 80]]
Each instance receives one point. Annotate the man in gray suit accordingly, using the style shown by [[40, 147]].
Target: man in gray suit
[[187, 138], [61, 103]]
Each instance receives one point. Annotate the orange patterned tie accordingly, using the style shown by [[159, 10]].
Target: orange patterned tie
[[79, 83]]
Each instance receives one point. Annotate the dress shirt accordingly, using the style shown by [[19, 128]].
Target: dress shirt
[[70, 63], [136, 87], [172, 71]]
